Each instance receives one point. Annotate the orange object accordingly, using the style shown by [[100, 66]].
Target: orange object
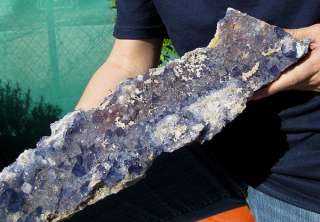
[[241, 214]]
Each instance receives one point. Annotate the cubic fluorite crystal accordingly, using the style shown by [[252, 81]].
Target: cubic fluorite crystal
[[92, 154]]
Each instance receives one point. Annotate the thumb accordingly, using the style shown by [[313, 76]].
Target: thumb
[[297, 33], [310, 32]]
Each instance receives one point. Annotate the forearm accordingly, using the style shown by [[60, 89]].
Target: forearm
[[102, 83], [126, 60]]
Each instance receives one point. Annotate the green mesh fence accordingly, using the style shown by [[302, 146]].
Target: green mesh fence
[[54, 46]]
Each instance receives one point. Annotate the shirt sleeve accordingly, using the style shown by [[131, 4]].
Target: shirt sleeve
[[138, 19]]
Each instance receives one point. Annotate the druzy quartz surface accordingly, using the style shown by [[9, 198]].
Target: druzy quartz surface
[[92, 154]]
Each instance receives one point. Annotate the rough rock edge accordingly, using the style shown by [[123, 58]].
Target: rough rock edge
[[203, 127]]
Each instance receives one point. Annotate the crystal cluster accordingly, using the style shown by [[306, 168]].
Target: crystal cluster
[[92, 154]]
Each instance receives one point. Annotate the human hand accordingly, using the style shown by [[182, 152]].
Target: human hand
[[303, 76]]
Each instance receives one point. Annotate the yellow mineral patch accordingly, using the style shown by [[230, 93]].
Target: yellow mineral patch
[[214, 42], [180, 129], [168, 128], [236, 26], [271, 51], [249, 74], [245, 55]]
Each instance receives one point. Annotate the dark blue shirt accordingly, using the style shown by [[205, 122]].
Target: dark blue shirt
[[275, 144]]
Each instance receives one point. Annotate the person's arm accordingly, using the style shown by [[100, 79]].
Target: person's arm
[[304, 76], [128, 58]]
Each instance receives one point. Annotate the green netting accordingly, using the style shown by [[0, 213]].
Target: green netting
[[54, 46]]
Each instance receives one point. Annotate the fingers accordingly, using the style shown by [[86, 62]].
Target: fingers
[[299, 33], [283, 83], [290, 79], [302, 76], [311, 32]]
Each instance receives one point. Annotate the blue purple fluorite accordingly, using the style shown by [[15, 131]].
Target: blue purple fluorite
[[92, 154]]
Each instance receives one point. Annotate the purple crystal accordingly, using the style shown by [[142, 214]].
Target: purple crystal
[[92, 154]]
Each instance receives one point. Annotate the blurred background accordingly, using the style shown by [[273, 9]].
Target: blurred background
[[52, 47], [49, 49]]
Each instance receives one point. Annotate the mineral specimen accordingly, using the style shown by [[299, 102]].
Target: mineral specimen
[[92, 154]]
